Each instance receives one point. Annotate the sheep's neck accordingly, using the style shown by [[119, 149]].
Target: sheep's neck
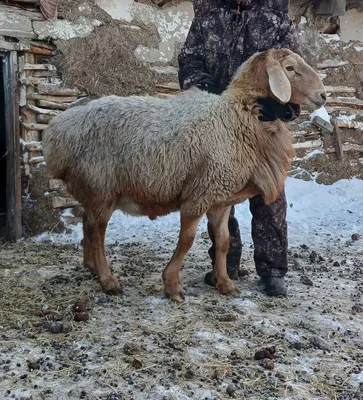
[[274, 146], [245, 94]]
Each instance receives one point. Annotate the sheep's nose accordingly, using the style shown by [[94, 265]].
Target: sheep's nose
[[323, 96]]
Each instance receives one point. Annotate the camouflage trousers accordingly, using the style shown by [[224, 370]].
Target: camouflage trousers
[[269, 235]]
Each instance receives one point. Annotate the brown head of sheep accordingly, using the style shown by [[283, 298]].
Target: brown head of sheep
[[281, 74], [197, 153]]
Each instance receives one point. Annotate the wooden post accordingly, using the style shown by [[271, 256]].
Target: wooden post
[[337, 140], [27, 116], [13, 171]]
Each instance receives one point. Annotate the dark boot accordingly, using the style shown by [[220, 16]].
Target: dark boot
[[234, 252], [269, 234], [275, 286]]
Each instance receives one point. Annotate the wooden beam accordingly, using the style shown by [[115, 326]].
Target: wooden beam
[[44, 119], [40, 43], [16, 33], [345, 102], [40, 67], [39, 50], [34, 126], [28, 1], [346, 109], [26, 115], [22, 88], [330, 110], [44, 111], [12, 46], [34, 146], [13, 169], [64, 202], [350, 124], [332, 64], [34, 16], [340, 89], [56, 99], [56, 90], [346, 148], [45, 74], [36, 160], [299, 133], [38, 81], [53, 105]]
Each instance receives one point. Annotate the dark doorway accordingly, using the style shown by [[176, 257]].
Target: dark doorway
[[10, 176], [2, 152]]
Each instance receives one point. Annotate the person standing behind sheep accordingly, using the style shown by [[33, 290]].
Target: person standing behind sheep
[[220, 38]]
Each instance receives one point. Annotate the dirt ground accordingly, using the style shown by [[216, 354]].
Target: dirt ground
[[142, 346]]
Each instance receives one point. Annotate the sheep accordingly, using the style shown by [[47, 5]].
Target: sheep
[[196, 153]]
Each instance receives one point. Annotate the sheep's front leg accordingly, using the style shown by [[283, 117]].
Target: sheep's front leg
[[95, 254], [218, 220], [171, 278]]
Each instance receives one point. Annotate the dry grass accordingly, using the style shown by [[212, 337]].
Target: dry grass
[[104, 63]]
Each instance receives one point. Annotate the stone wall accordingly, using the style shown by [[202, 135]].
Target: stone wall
[[172, 24]]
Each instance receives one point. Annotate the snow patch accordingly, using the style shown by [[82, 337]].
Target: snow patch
[[329, 38], [322, 113], [210, 336], [176, 393], [245, 303], [357, 379], [319, 212], [346, 118], [314, 153], [67, 212]]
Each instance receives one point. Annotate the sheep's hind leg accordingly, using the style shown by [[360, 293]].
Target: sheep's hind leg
[[171, 274], [94, 229], [88, 261], [218, 220]]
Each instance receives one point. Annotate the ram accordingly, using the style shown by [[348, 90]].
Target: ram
[[197, 153]]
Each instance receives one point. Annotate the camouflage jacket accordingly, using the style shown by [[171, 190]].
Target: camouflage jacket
[[221, 37]]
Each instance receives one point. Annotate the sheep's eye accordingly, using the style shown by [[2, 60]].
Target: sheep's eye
[[289, 68]]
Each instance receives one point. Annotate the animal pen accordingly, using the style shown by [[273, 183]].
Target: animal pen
[[61, 337]]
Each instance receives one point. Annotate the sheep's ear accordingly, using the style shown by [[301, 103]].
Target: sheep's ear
[[279, 84]]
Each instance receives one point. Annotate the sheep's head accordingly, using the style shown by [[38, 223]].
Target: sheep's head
[[282, 74], [292, 79]]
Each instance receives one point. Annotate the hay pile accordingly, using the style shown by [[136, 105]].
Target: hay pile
[[72, 9], [104, 63]]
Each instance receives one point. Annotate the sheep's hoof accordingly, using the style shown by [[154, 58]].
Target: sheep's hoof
[[178, 298], [227, 287], [111, 286], [175, 293]]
